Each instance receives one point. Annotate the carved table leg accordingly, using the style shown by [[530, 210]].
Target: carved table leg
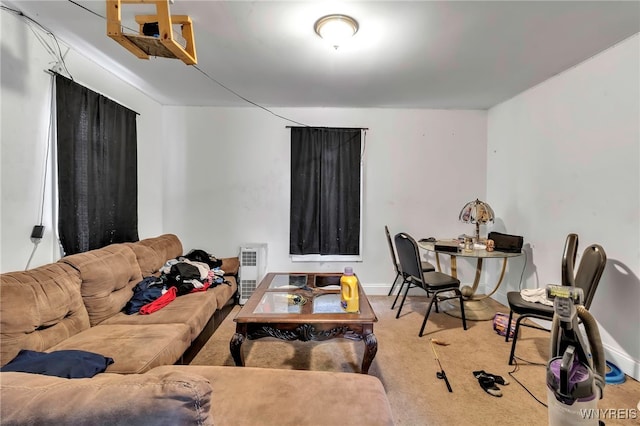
[[370, 349], [236, 349]]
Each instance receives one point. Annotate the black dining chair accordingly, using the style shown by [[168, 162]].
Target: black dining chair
[[426, 266], [440, 285], [587, 277]]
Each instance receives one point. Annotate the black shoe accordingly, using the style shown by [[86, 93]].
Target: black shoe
[[498, 379], [489, 386]]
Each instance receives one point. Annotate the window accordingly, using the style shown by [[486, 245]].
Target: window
[[97, 169], [326, 188]]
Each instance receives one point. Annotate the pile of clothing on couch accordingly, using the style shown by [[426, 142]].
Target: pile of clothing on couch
[[193, 272]]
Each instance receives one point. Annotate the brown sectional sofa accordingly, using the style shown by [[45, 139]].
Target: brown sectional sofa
[[77, 302]]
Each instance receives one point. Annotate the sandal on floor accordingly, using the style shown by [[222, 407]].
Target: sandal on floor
[[498, 379], [489, 386]]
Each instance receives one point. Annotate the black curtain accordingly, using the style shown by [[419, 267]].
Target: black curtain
[[97, 169], [325, 191]]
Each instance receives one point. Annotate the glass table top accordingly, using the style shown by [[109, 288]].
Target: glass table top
[[289, 293], [285, 281], [327, 304], [280, 303]]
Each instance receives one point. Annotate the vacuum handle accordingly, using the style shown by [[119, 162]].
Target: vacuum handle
[[565, 368]]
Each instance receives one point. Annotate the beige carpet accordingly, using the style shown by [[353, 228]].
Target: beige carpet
[[406, 366]]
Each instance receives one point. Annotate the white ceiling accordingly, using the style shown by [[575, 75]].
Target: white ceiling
[[407, 54]]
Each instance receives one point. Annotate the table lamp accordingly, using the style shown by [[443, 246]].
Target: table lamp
[[476, 212]]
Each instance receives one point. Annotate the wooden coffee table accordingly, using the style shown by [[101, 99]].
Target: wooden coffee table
[[303, 306]]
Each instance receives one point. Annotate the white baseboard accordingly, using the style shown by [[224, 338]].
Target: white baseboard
[[377, 289], [630, 366], [383, 289]]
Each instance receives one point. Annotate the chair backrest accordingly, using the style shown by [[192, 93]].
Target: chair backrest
[[592, 264], [394, 259], [409, 256], [569, 259]]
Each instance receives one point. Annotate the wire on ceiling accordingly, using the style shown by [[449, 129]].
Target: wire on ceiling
[[228, 89], [247, 100]]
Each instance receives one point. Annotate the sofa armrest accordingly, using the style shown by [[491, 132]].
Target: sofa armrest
[[230, 265], [164, 398], [277, 397]]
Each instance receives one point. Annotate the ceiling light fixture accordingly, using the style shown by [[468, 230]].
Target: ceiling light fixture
[[336, 29]]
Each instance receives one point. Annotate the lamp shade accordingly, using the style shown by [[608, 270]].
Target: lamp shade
[[476, 212]]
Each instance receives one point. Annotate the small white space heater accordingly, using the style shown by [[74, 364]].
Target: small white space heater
[[253, 267]]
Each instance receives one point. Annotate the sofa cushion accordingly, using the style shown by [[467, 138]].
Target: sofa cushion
[[108, 277], [40, 308], [193, 310], [164, 398], [148, 259], [134, 348], [152, 253], [250, 395]]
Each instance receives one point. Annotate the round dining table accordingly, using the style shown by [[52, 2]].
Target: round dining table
[[475, 305]]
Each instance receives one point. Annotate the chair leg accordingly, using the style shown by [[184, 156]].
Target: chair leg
[[515, 339], [462, 314], [426, 315], [403, 299], [393, 285], [404, 280], [506, 336]]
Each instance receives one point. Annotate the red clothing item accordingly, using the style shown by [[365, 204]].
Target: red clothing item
[[160, 302]]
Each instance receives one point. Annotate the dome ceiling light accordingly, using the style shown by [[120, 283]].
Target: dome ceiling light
[[336, 29]]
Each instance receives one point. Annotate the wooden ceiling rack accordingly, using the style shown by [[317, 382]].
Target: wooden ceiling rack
[[143, 45]]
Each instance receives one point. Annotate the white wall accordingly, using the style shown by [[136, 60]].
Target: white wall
[[25, 111], [564, 157], [227, 181]]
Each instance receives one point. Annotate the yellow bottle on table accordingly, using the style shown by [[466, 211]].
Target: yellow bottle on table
[[349, 291]]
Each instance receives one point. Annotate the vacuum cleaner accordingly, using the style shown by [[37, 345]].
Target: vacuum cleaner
[[576, 369]]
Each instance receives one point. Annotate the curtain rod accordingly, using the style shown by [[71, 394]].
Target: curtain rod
[[325, 127], [54, 73]]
